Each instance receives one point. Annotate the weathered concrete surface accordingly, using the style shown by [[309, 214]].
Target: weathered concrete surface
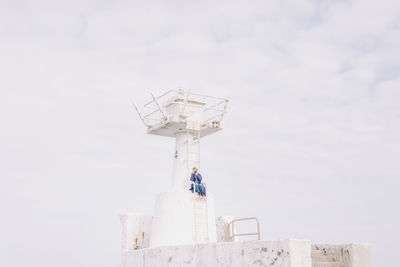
[[344, 255], [281, 253], [175, 219], [224, 232], [136, 231]]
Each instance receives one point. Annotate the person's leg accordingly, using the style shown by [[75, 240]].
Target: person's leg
[[202, 189]]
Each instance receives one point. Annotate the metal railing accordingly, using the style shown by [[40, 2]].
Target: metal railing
[[231, 225], [153, 112]]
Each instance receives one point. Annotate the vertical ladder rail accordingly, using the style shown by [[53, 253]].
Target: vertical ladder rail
[[198, 149], [193, 152], [187, 156], [200, 210], [200, 206]]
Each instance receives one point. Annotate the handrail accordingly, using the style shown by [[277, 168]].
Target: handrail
[[169, 91], [140, 115], [156, 110], [159, 106], [216, 105], [208, 96], [151, 113], [232, 224], [213, 117]]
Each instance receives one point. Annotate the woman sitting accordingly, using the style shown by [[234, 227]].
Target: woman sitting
[[198, 186]]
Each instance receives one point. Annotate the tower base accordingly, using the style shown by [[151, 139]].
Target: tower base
[[280, 253], [183, 218]]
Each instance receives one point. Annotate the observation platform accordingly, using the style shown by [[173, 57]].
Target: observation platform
[[176, 111]]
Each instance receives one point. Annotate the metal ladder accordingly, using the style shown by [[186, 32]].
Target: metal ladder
[[193, 152], [200, 219], [200, 208]]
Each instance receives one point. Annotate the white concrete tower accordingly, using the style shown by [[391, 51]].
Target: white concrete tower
[[180, 216]]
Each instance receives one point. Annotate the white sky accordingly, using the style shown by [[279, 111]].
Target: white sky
[[312, 146]]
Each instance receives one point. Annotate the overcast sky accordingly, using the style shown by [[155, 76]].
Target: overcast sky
[[312, 147]]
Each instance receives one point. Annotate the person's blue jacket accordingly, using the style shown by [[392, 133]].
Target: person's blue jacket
[[196, 178], [199, 187]]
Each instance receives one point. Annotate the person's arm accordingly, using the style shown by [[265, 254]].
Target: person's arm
[[199, 178], [192, 177]]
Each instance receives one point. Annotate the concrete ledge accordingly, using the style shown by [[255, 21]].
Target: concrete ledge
[[280, 253], [341, 255]]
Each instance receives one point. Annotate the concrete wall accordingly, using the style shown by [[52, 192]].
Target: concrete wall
[[175, 217], [224, 232], [344, 255], [136, 231], [281, 253]]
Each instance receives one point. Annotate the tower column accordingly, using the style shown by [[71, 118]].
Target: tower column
[[185, 158]]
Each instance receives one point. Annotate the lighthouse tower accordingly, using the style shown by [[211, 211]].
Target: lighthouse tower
[[182, 217], [184, 230]]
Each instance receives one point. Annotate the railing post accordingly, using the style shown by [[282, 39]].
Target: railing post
[[245, 234], [140, 114], [159, 106]]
